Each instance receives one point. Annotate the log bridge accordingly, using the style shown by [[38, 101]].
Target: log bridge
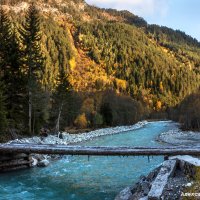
[[18, 156]]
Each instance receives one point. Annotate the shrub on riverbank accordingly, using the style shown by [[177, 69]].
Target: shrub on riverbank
[[81, 121], [189, 112]]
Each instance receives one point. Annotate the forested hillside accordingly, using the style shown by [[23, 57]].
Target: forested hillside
[[76, 65]]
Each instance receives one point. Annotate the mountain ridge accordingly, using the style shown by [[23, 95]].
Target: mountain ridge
[[151, 64]]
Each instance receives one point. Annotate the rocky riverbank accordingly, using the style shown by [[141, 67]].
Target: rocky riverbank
[[169, 181], [179, 137], [65, 138]]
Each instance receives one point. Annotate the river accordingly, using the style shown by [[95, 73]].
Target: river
[[83, 178]]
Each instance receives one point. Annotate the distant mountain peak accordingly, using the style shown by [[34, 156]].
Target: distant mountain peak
[[44, 5]]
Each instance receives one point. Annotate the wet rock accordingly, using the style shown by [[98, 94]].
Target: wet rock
[[56, 157], [39, 157], [135, 187], [43, 163], [141, 189], [44, 132], [142, 178], [145, 187], [35, 162], [124, 194]]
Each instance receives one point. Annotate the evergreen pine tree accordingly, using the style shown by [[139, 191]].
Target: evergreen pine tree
[[33, 58], [10, 63], [3, 119], [15, 92], [5, 37]]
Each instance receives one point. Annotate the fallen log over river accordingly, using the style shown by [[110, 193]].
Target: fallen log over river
[[98, 151]]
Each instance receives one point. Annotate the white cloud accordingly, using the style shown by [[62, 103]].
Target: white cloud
[[140, 7]]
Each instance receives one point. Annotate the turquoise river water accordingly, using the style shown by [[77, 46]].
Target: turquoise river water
[[80, 178]]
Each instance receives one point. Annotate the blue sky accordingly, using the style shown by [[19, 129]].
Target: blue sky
[[177, 14]]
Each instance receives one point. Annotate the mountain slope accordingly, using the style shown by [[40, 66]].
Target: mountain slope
[[104, 49]]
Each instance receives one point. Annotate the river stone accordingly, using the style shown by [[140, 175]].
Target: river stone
[[144, 198], [145, 187], [188, 184], [124, 194], [43, 163], [35, 162]]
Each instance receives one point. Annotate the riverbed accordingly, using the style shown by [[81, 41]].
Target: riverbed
[[87, 178]]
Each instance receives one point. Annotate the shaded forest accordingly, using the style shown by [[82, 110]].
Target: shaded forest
[[187, 112]]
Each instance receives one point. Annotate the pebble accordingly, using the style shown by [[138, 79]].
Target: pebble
[[188, 185]]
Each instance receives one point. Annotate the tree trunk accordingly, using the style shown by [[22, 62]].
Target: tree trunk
[[58, 119], [33, 124], [30, 112]]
